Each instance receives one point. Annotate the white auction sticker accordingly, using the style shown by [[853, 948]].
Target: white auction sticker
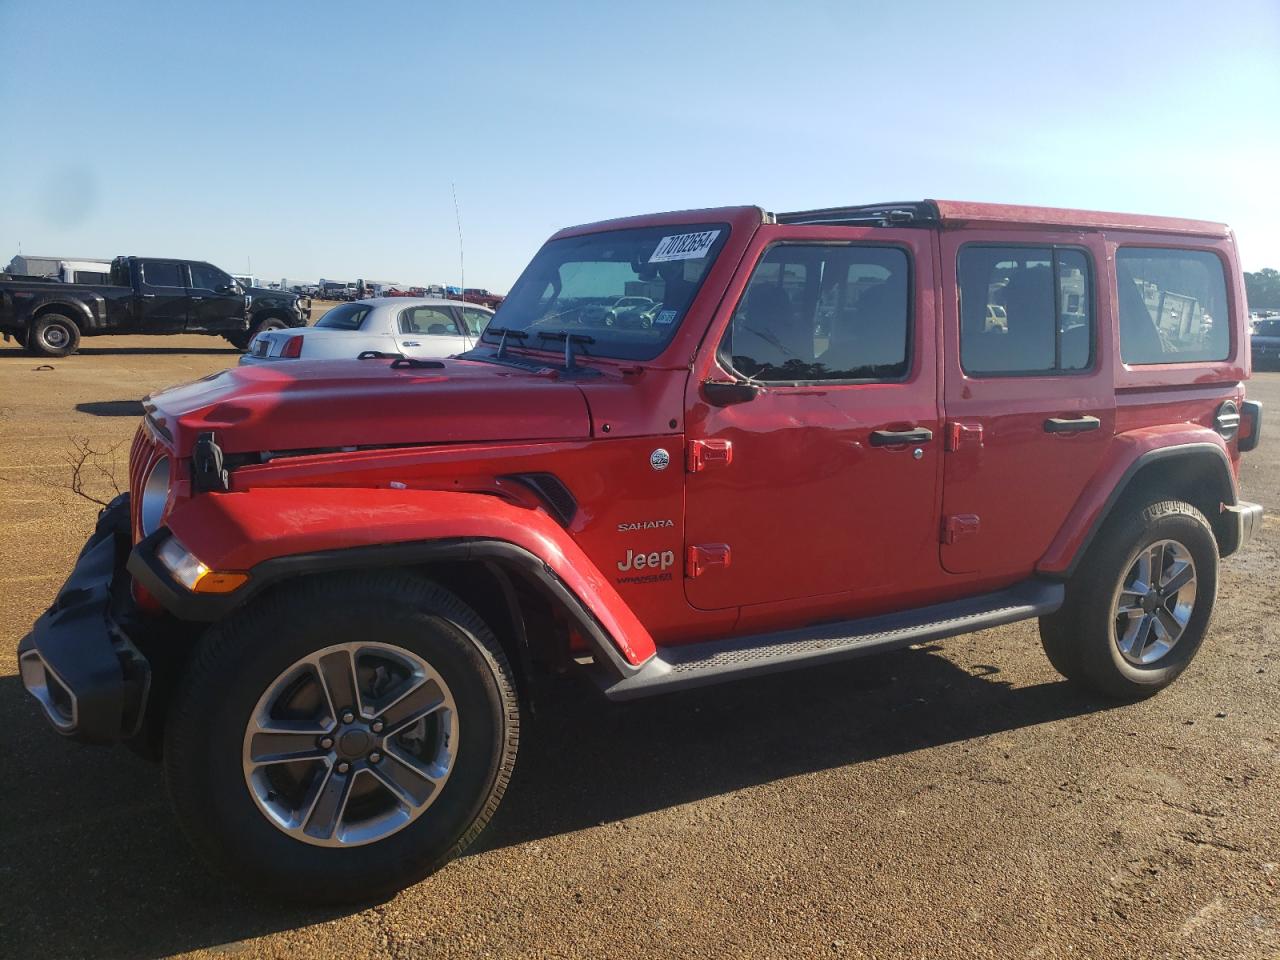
[[665, 317], [684, 246]]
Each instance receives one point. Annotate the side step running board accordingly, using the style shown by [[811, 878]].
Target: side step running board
[[714, 661]]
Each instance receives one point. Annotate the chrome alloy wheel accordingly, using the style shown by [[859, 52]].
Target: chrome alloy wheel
[[55, 337], [351, 744], [1154, 602]]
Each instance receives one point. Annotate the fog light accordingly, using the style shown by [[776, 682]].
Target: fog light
[[193, 574]]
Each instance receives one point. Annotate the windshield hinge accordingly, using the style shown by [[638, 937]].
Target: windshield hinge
[[208, 471]]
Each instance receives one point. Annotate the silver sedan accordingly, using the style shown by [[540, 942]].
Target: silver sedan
[[423, 328]]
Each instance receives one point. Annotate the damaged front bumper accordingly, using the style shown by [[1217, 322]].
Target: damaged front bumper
[[78, 661]]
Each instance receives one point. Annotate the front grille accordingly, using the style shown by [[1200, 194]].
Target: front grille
[[144, 452]]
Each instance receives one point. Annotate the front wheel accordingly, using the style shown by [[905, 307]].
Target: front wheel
[[1138, 610], [341, 740], [241, 339]]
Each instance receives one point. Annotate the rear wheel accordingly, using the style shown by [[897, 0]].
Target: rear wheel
[[1138, 610], [53, 335], [342, 740]]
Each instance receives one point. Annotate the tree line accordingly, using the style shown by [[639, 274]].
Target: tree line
[[1263, 289]]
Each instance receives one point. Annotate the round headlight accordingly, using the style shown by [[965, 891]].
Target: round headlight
[[155, 491]]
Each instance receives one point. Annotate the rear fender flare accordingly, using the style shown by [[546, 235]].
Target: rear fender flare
[[1132, 454], [78, 311], [278, 534]]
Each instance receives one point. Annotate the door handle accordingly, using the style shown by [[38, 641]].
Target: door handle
[[197, 298], [893, 438], [1071, 425], [148, 296]]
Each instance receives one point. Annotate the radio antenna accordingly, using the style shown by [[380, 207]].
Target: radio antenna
[[462, 264]]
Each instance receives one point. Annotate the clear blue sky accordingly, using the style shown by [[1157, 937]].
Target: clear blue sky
[[321, 139]]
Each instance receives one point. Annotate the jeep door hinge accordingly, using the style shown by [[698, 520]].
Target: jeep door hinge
[[705, 555], [960, 525], [963, 435], [709, 453]]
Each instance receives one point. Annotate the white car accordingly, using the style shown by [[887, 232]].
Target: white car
[[422, 328]]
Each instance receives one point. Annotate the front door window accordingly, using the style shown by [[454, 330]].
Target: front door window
[[822, 312]]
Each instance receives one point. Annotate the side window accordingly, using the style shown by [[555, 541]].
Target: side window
[[206, 277], [1025, 310], [476, 320], [1172, 305], [86, 276], [157, 274], [823, 312], [433, 321]]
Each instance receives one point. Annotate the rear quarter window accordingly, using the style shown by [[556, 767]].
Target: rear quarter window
[[349, 316], [1172, 306]]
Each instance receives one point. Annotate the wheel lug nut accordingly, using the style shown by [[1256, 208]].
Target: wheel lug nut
[[344, 767], [377, 726], [348, 716], [375, 757], [326, 743]]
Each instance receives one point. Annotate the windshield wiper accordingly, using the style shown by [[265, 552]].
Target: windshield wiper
[[506, 332], [569, 340]]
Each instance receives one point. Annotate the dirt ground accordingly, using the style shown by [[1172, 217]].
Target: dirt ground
[[953, 801]]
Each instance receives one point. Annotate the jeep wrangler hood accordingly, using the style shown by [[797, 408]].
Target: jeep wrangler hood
[[327, 404]]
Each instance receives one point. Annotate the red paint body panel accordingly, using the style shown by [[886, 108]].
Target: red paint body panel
[[339, 403], [808, 506], [1019, 481], [233, 531], [1125, 449], [612, 482], [818, 524], [961, 213]]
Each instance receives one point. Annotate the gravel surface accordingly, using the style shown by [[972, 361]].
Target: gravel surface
[[957, 800]]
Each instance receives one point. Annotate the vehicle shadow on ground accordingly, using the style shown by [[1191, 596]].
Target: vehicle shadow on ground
[[157, 351], [17, 353], [94, 865]]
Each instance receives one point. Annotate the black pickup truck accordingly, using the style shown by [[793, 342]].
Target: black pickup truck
[[146, 295]]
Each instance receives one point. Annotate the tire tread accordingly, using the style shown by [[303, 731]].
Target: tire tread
[[1074, 639], [223, 644]]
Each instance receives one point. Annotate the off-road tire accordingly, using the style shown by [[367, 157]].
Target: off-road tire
[[238, 659], [242, 339], [53, 335], [1080, 638]]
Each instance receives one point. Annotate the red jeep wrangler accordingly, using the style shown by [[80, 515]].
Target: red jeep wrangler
[[843, 431]]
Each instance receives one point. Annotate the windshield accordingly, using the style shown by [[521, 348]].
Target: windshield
[[627, 289], [349, 316]]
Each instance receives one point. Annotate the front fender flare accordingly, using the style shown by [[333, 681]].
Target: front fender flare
[[278, 534]]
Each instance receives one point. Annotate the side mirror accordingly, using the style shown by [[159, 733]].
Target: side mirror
[[726, 393]]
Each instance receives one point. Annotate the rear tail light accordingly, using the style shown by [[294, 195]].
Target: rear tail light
[[1250, 425], [292, 348]]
